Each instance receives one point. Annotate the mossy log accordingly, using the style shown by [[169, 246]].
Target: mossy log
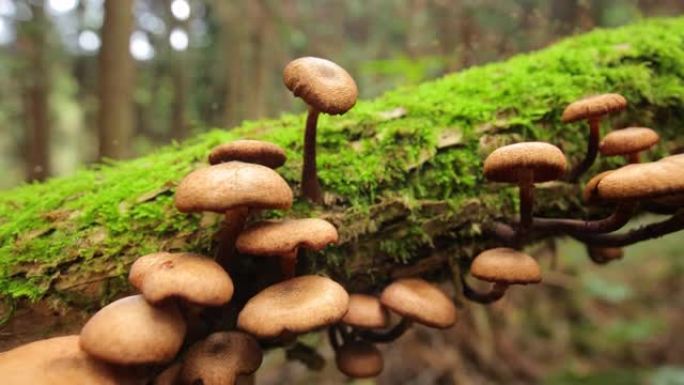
[[402, 175]]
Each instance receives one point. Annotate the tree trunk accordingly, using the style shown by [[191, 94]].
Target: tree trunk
[[116, 76]]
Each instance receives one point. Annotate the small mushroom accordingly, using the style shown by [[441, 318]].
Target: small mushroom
[[220, 359], [525, 164], [592, 109], [629, 142], [249, 151], [284, 238], [603, 255], [590, 192], [169, 376], [366, 312], [131, 331], [325, 87], [359, 359], [294, 306], [503, 267], [192, 277]]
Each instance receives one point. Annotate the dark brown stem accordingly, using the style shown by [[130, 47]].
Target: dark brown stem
[[332, 337], [634, 158], [592, 150], [389, 335], [495, 293], [643, 233], [232, 225], [311, 188], [288, 264], [622, 214], [526, 186]]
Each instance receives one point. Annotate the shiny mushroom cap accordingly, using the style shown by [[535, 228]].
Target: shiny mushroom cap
[[322, 84], [131, 331], [229, 185], [249, 151], [643, 181], [285, 237], [220, 359], [294, 306], [359, 359], [60, 361], [504, 265], [192, 277], [594, 106], [420, 301], [628, 141], [590, 192], [366, 312], [605, 254], [545, 160]]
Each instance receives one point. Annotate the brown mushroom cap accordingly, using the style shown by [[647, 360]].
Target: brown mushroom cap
[[594, 106], [193, 277], [628, 141], [169, 376], [504, 265], [605, 254], [294, 306], [60, 361], [131, 331], [545, 160], [590, 193], [284, 237], [643, 181], [359, 359], [322, 84], [420, 301], [220, 358], [228, 185], [366, 312], [249, 151]]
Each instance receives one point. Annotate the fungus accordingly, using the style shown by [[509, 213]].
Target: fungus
[[192, 277], [294, 306], [641, 181], [131, 331], [325, 87], [359, 359], [603, 255], [629, 142], [220, 359], [248, 151], [592, 109], [284, 238], [366, 312], [169, 376], [503, 267]]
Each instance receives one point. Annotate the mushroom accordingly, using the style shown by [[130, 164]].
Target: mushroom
[[603, 255], [61, 361], [359, 359], [131, 331], [629, 142], [294, 306], [325, 87], [525, 163], [643, 181], [192, 277], [592, 109], [220, 359], [169, 376], [503, 267], [248, 151], [589, 194], [284, 238], [366, 312]]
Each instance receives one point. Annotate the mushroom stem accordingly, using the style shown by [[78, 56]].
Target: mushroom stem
[[526, 185], [634, 158], [622, 214], [643, 233], [387, 336], [332, 337], [592, 150], [495, 293], [232, 225], [288, 264], [311, 188]]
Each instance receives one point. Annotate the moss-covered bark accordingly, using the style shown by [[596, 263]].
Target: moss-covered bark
[[403, 172]]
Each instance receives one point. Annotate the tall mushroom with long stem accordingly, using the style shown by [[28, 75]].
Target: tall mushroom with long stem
[[325, 87], [592, 109]]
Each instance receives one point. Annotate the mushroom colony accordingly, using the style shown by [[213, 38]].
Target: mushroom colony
[[190, 324]]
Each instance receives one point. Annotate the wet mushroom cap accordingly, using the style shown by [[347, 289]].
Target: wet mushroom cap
[[366, 312], [220, 359], [504, 265], [224, 186], [249, 151], [590, 192], [322, 84], [131, 331], [594, 106], [643, 181], [546, 161], [628, 141], [359, 359], [59, 361], [294, 306], [284, 237], [193, 277], [420, 301]]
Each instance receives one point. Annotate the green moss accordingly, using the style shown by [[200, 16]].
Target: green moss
[[60, 236]]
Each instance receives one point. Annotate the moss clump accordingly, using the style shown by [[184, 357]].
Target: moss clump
[[404, 186]]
